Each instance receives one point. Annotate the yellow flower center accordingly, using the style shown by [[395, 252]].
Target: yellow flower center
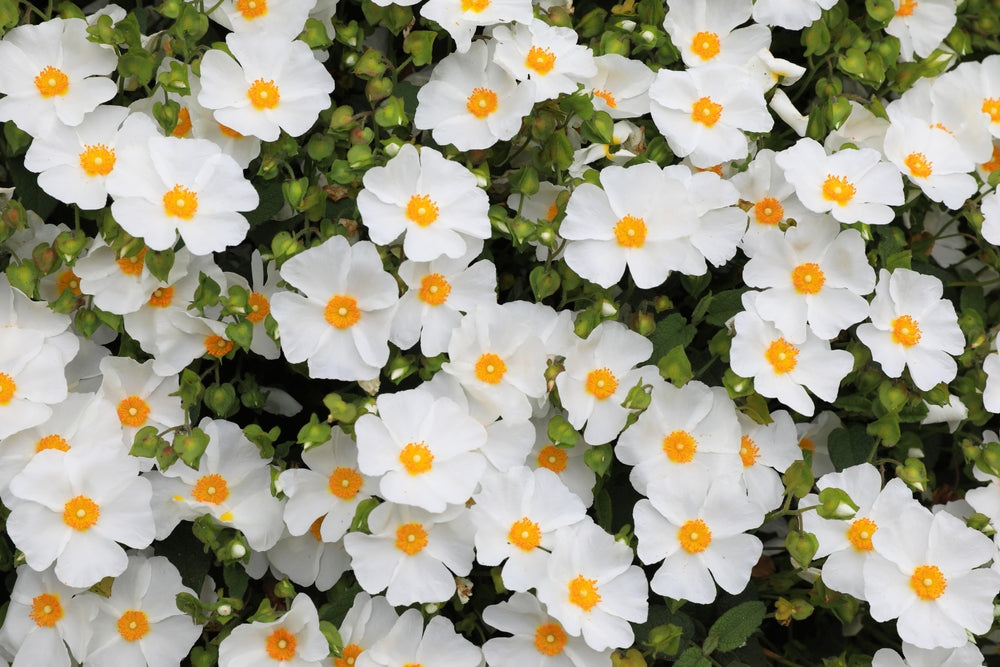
[[348, 656], [80, 513], [210, 489], [769, 211], [52, 81], [179, 202], [680, 446], [905, 331], [344, 483], [928, 582], [705, 45], [217, 346], [133, 625], [251, 9], [434, 289], [749, 451], [54, 441], [706, 112], [417, 458], [281, 645], [807, 445], [860, 534], [553, 458], [342, 311], [475, 5], [490, 368], [906, 7], [46, 610], [782, 356], [838, 189], [229, 132], [601, 383], [133, 411], [608, 98], [550, 639], [583, 592], [161, 297], [540, 60], [259, 306], [97, 160], [422, 210], [263, 94], [316, 529], [991, 106], [482, 102], [183, 125], [808, 278], [918, 165], [68, 280], [7, 388], [994, 162], [524, 534], [132, 266], [630, 232], [411, 538], [694, 536]]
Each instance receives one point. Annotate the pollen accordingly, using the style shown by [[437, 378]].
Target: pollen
[[133, 625], [482, 102], [161, 297], [928, 582], [417, 458], [838, 189], [46, 610], [694, 536], [807, 445], [705, 111], [210, 489], [553, 458], [54, 441], [630, 232], [769, 211], [918, 165], [905, 331], [342, 311], [860, 534], [601, 383], [680, 446], [552, 212], [52, 81], [434, 289], [229, 132], [183, 125], [782, 355], [281, 645], [991, 106], [540, 60], [179, 202], [132, 266], [490, 368], [7, 388], [97, 160], [475, 5], [259, 306], [808, 278], [344, 483], [316, 529], [608, 98], [906, 7], [994, 162], [550, 639], [524, 534], [263, 94], [133, 411], [80, 513], [749, 451], [348, 656], [217, 346], [422, 210], [583, 592], [705, 45], [411, 538], [251, 9], [68, 280]]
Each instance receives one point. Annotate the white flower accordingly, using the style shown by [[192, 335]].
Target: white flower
[[545, 54], [294, 640]]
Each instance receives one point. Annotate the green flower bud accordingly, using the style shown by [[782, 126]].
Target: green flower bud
[[391, 113], [315, 35], [377, 89], [371, 64], [914, 473], [836, 504], [802, 547], [45, 258], [419, 44]]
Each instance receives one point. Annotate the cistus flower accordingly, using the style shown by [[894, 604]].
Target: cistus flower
[[409, 643], [547, 55], [705, 31], [294, 640], [51, 74], [921, 26], [461, 17]]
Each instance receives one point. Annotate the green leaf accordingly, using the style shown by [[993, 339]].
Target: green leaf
[[236, 578], [271, 201], [736, 625], [724, 305], [671, 331], [598, 459], [692, 658], [675, 366], [849, 447]]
